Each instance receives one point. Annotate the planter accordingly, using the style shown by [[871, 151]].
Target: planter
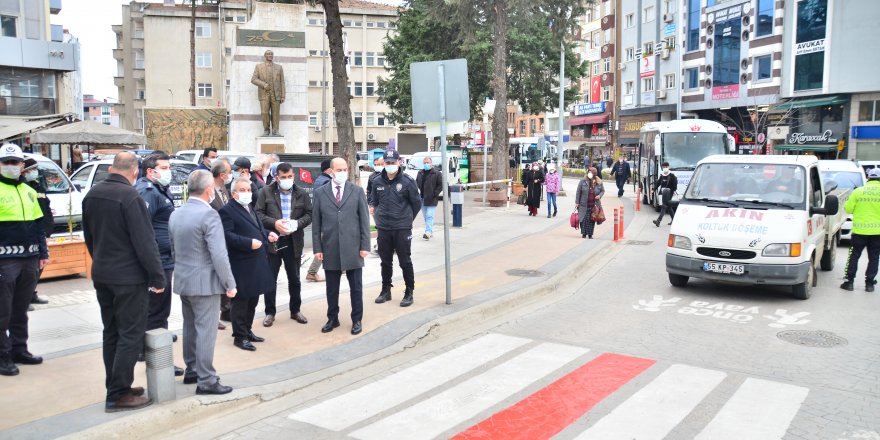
[[67, 256], [518, 189], [497, 199]]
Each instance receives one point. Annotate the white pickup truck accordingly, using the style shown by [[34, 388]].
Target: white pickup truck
[[755, 220]]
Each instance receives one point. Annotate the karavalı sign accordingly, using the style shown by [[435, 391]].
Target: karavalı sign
[[802, 138]]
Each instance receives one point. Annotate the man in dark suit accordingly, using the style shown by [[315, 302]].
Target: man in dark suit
[[246, 242], [121, 241], [286, 210], [341, 239], [208, 156]]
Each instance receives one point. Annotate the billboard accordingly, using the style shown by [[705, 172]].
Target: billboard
[[175, 129]]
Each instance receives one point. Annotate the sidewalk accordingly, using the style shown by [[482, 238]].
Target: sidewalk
[[498, 252]]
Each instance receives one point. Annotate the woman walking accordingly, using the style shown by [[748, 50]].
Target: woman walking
[[588, 197], [553, 183], [533, 180]]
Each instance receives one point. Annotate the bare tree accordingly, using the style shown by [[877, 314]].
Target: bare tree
[[192, 56], [757, 118]]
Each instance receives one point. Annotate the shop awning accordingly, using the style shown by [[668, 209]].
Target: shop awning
[[585, 120], [14, 126], [813, 102], [813, 148]]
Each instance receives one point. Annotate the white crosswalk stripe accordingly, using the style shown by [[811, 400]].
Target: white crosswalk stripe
[[355, 406], [437, 414], [760, 409]]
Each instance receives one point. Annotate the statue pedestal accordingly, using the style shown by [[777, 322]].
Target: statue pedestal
[[271, 144]]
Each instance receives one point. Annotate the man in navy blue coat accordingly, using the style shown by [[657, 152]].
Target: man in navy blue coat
[[247, 244]]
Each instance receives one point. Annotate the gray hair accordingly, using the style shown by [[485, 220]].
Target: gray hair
[[219, 166], [125, 162], [199, 181], [235, 183]]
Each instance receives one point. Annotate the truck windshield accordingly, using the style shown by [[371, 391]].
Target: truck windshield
[[774, 183], [684, 150]]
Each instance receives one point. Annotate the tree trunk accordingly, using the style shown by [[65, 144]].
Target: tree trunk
[[341, 96], [192, 57], [500, 162]]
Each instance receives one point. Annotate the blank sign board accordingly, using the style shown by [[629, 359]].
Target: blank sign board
[[425, 83]]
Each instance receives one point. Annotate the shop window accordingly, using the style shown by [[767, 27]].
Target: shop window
[[869, 111]]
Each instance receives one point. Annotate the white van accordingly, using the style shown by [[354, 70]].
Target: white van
[[848, 175], [755, 220], [195, 156], [65, 200], [417, 161]]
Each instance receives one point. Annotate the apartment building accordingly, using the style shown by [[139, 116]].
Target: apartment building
[[100, 111]]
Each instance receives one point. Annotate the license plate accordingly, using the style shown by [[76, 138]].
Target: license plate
[[736, 269]]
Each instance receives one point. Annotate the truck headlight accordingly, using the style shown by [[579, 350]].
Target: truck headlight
[[678, 241], [782, 250]]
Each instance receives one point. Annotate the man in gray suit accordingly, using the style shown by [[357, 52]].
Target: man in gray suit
[[341, 239], [202, 274]]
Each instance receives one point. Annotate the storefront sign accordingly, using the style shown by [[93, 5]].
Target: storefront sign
[[479, 138], [725, 92], [669, 30], [866, 132], [589, 109], [809, 47], [630, 125], [646, 67], [803, 138]]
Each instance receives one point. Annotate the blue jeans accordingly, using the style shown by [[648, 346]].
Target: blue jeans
[[428, 212], [551, 200]]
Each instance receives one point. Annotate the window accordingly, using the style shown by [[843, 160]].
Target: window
[[346, 23], [206, 90], [532, 123], [597, 39], [371, 24], [325, 119], [141, 94], [380, 119], [648, 14], [380, 60], [630, 53], [606, 94], [313, 119], [522, 128], [648, 49], [313, 53], [227, 51], [727, 52], [371, 58], [668, 7], [203, 29], [765, 17], [105, 121], [358, 88], [7, 26], [669, 43], [763, 70], [357, 23], [693, 25], [138, 33], [595, 67], [381, 24], [669, 81], [371, 119], [629, 20], [607, 64], [203, 59], [29, 88], [316, 21], [371, 89], [869, 111], [647, 84], [358, 119], [105, 110], [692, 76], [628, 88], [358, 58], [240, 18], [811, 26], [139, 59]]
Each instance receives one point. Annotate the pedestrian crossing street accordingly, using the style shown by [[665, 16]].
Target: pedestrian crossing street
[[439, 397]]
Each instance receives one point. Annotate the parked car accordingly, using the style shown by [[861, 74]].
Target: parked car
[[363, 158], [93, 172], [195, 156], [848, 175], [417, 160], [65, 199]]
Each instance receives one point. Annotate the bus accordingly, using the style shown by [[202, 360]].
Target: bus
[[526, 150], [682, 143]]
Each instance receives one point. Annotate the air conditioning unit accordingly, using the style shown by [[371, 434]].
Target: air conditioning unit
[[371, 137], [317, 129], [668, 18], [661, 94], [664, 54], [621, 66]]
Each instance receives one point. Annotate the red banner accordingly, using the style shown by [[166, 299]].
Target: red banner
[[595, 89]]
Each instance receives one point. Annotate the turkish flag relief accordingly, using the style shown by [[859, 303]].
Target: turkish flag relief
[[305, 176]]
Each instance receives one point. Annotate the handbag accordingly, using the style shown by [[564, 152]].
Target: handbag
[[522, 199], [574, 220], [597, 215]]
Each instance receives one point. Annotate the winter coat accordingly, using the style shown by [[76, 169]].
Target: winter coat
[[553, 182]]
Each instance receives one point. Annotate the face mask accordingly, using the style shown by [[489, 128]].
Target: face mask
[[379, 168], [244, 198], [228, 179], [427, 167], [535, 168], [285, 184], [212, 161], [552, 171], [392, 169], [164, 177], [10, 171], [589, 175], [236, 175], [665, 171], [340, 177], [32, 175]]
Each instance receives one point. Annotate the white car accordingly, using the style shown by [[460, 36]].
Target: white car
[[195, 156], [65, 199], [93, 172], [417, 160], [848, 176], [363, 160]]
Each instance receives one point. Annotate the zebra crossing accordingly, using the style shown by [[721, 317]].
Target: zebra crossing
[[445, 395]]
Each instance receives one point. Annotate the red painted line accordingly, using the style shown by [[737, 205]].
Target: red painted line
[[552, 408]]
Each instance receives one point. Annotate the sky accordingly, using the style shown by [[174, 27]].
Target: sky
[[90, 21]]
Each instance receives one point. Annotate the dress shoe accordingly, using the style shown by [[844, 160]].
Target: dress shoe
[[221, 326], [254, 338], [385, 295], [330, 325], [37, 299], [178, 371], [7, 367], [314, 277], [136, 391], [407, 298], [26, 358], [268, 320], [869, 287], [216, 388], [356, 328], [244, 344], [190, 379], [847, 285], [127, 402], [656, 223], [299, 317]]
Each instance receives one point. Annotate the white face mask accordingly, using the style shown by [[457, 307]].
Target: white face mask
[[340, 177], [392, 169], [32, 175], [164, 177], [589, 175], [244, 198], [236, 175], [665, 171], [10, 171], [379, 168], [285, 184], [228, 179]]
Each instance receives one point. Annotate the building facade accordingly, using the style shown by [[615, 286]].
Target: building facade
[[100, 111]]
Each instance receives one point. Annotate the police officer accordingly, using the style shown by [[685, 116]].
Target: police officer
[[153, 188], [395, 202], [864, 205], [32, 177], [24, 253]]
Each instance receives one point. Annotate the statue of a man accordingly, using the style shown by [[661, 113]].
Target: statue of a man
[[269, 78]]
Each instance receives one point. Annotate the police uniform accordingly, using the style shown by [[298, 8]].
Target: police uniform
[[397, 203], [160, 205], [22, 246], [864, 205]]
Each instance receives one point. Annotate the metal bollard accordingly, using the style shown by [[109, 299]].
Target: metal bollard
[[456, 196], [616, 226], [620, 235], [160, 365]]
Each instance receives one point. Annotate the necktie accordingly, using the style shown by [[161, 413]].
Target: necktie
[[338, 194]]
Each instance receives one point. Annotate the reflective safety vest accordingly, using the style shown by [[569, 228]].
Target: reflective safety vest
[[864, 205], [20, 234]]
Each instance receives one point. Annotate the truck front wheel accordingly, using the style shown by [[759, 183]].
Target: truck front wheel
[[802, 290], [678, 280], [828, 257]]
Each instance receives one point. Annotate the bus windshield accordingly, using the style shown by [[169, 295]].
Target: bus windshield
[[684, 150]]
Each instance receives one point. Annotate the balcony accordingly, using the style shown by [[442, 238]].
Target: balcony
[[138, 73], [118, 55], [117, 28], [119, 81], [26, 106], [54, 6], [137, 43]]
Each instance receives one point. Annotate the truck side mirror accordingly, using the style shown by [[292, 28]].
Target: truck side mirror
[[832, 205]]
